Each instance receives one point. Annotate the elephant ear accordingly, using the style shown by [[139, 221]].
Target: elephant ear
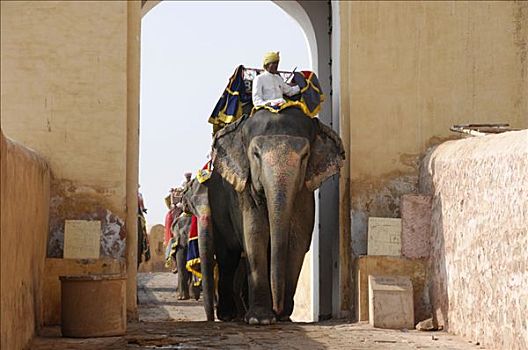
[[229, 155], [326, 156]]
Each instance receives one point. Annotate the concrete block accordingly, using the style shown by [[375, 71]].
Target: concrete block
[[416, 225], [391, 302], [392, 266], [384, 236], [157, 251]]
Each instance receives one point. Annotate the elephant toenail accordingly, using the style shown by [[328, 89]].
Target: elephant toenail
[[253, 320], [265, 321]]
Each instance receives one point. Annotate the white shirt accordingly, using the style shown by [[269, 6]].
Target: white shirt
[[269, 88]]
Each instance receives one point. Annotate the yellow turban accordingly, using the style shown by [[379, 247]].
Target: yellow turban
[[271, 57]]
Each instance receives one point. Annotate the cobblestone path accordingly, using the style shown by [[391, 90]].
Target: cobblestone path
[[169, 324]]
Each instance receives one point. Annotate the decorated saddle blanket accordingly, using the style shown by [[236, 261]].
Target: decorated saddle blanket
[[236, 100]]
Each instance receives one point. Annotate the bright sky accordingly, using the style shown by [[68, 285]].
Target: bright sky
[[188, 52]]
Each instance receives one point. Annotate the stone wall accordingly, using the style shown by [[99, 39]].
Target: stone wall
[[479, 256], [25, 196], [64, 94], [157, 251], [410, 70]]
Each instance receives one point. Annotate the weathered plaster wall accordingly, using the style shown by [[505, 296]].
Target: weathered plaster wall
[[64, 94], [25, 195], [409, 70], [479, 257], [157, 251]]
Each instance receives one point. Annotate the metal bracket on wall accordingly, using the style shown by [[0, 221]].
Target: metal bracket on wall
[[481, 129]]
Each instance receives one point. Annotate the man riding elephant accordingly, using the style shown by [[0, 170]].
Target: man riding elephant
[[269, 87]]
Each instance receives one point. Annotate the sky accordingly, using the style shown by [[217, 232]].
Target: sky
[[189, 50]]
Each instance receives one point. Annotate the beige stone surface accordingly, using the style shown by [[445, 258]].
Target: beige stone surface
[[479, 257], [384, 236], [24, 200], [82, 239], [64, 94], [167, 323], [392, 266], [391, 302], [408, 71], [416, 225], [157, 251]]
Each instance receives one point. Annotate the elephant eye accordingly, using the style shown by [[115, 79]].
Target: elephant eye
[[256, 155]]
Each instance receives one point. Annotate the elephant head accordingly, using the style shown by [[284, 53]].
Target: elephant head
[[275, 157]]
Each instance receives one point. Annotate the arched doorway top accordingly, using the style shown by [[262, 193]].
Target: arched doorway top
[[292, 8]]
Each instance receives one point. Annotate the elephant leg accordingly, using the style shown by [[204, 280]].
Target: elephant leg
[[196, 290], [183, 274], [256, 242], [241, 288], [298, 245], [227, 263]]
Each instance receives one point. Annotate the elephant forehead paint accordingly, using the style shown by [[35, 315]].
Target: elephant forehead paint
[[282, 156]]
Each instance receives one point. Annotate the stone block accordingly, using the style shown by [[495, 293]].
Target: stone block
[[82, 239], [416, 225], [54, 268], [392, 266], [391, 302], [384, 236], [157, 251]]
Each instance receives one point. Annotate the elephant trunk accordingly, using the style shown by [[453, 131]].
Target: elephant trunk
[[205, 245], [279, 218], [279, 170], [280, 194]]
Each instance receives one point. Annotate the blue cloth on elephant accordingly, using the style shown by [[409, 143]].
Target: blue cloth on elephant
[[193, 254], [230, 106], [311, 93], [236, 100]]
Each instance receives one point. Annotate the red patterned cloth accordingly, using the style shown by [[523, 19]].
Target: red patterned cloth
[[193, 232], [169, 218]]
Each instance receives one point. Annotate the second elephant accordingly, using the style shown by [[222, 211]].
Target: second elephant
[[180, 229]]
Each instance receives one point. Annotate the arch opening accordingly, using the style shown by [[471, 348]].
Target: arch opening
[[317, 56]]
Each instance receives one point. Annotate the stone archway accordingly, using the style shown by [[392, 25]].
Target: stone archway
[[315, 19]]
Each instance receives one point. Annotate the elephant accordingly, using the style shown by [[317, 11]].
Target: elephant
[[180, 228], [259, 202], [196, 201]]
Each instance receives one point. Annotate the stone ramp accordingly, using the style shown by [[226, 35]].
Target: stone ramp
[[158, 302], [169, 324], [296, 336]]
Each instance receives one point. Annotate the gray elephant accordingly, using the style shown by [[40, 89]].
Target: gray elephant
[[259, 202], [234, 289], [180, 229]]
